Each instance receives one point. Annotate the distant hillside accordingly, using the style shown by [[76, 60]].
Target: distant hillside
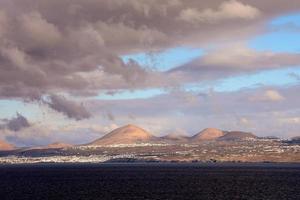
[[129, 134], [58, 145], [175, 138], [236, 135], [207, 134], [4, 146]]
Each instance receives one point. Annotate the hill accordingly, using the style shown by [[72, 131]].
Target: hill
[[129, 134], [207, 134], [236, 135], [58, 145], [175, 138]]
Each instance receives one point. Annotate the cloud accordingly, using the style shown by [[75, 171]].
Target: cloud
[[15, 124], [44, 134], [223, 110], [3, 23], [232, 60], [109, 115], [268, 95], [227, 10], [290, 120], [46, 49], [92, 127], [241, 57], [40, 55], [75, 47], [69, 108], [37, 32], [30, 136]]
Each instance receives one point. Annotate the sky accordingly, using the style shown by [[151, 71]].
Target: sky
[[71, 71]]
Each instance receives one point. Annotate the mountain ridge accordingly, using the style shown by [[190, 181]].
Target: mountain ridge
[[207, 134], [236, 135], [129, 134], [132, 134]]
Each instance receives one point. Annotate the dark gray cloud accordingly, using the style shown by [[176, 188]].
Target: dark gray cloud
[[69, 108], [15, 124], [51, 46], [39, 55]]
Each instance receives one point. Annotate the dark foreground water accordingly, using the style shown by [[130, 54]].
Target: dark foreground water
[[150, 181]]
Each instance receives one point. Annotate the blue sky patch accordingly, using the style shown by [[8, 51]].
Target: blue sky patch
[[283, 35], [280, 77], [9, 108]]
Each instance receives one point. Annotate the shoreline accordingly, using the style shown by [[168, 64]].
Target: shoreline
[[160, 164]]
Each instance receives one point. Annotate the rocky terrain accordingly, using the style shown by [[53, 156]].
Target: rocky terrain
[[133, 144]]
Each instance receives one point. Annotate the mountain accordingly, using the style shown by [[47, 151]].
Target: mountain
[[129, 134], [175, 138], [236, 135], [4, 146], [58, 145], [207, 134]]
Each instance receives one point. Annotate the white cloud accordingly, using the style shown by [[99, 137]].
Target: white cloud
[[244, 121], [268, 95], [290, 120], [240, 56], [227, 10]]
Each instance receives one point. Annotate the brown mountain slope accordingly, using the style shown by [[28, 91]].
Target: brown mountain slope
[[236, 135], [129, 134], [175, 138], [58, 145], [207, 134], [4, 146]]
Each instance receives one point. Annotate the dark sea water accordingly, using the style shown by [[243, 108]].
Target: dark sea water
[[150, 181]]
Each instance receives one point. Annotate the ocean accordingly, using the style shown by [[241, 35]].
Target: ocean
[[150, 181]]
